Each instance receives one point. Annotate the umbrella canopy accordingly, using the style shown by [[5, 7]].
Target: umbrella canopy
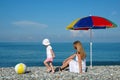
[[91, 22]]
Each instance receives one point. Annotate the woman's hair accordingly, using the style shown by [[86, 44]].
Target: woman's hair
[[79, 48]]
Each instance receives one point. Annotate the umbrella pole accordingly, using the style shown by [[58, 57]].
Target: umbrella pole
[[91, 48]]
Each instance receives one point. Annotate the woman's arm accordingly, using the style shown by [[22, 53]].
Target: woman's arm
[[79, 63], [53, 55], [70, 57]]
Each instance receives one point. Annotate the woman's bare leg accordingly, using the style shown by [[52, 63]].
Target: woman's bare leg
[[65, 64]]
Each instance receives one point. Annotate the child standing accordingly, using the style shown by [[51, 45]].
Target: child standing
[[50, 56]]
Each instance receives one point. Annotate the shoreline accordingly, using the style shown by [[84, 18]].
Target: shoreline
[[41, 64], [39, 73]]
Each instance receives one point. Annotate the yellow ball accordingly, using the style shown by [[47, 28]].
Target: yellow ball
[[20, 68]]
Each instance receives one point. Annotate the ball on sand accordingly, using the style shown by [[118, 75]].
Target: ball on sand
[[20, 68]]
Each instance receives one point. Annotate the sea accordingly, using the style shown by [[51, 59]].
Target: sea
[[34, 53]]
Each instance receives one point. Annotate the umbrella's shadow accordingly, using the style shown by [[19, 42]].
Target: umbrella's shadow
[[57, 69]]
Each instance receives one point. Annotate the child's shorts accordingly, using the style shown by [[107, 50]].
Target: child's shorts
[[49, 60]]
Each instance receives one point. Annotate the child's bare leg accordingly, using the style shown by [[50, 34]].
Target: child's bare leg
[[48, 67], [52, 67]]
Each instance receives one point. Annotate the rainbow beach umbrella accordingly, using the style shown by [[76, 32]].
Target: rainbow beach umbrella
[[89, 23]]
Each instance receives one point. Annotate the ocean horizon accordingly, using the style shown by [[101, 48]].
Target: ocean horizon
[[34, 53]]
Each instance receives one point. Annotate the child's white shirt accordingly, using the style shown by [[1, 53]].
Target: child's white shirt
[[48, 52]]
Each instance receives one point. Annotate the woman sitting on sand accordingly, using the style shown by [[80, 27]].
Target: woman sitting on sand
[[79, 64]]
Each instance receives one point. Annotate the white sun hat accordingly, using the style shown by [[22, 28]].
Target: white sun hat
[[46, 42]]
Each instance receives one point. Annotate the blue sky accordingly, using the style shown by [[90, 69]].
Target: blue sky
[[34, 20]]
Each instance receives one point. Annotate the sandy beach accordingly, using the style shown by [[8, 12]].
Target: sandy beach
[[39, 73]]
